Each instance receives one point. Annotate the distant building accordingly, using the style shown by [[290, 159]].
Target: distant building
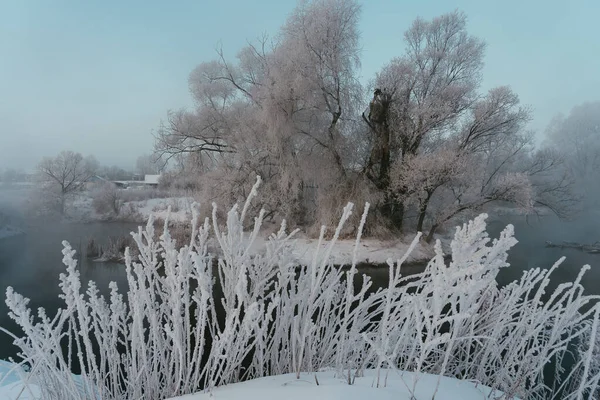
[[151, 180]]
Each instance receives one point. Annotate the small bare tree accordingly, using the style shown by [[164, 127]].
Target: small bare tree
[[107, 199], [64, 175]]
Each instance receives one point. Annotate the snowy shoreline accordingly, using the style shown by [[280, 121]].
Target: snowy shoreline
[[370, 251]]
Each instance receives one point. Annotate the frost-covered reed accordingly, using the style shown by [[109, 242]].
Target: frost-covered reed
[[172, 332]]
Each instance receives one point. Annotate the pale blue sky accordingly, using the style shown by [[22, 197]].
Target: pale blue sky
[[97, 76]]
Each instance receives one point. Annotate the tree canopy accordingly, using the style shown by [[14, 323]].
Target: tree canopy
[[425, 145]]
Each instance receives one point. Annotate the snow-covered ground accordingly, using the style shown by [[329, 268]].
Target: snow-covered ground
[[373, 251], [181, 208], [81, 209], [11, 383], [370, 251], [393, 385]]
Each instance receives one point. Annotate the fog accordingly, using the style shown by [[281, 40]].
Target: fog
[[98, 78]]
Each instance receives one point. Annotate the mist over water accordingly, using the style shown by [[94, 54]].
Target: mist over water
[[31, 263], [531, 251]]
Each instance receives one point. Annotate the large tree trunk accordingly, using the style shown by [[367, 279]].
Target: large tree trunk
[[429, 237], [332, 137], [393, 210], [379, 163], [421, 218], [62, 203], [384, 167], [423, 211]]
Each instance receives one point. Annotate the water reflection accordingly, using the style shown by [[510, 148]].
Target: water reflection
[[31, 264]]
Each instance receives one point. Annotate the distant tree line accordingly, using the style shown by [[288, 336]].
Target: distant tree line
[[68, 173], [11, 175]]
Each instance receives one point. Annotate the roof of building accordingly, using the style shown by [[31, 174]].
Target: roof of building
[[151, 179]]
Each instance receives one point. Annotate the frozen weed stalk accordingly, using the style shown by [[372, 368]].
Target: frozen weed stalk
[[190, 320]]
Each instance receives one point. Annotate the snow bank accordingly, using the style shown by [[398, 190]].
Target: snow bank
[[181, 208], [19, 391], [394, 385], [370, 251], [12, 386]]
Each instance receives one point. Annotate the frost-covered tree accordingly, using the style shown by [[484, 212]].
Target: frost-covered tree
[[107, 199], [282, 110], [114, 173], [64, 175], [421, 93], [577, 138], [427, 118], [289, 109], [441, 146]]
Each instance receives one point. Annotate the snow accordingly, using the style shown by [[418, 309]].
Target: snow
[[371, 251], [8, 373], [19, 391], [393, 385], [181, 210], [11, 384]]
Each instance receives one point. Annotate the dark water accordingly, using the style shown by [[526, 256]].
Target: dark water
[[531, 251], [31, 263]]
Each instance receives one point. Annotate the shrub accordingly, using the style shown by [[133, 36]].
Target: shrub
[[107, 199]]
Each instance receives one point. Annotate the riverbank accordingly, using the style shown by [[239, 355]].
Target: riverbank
[[370, 251], [140, 205]]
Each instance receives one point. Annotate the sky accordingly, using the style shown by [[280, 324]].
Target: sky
[[97, 77]]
